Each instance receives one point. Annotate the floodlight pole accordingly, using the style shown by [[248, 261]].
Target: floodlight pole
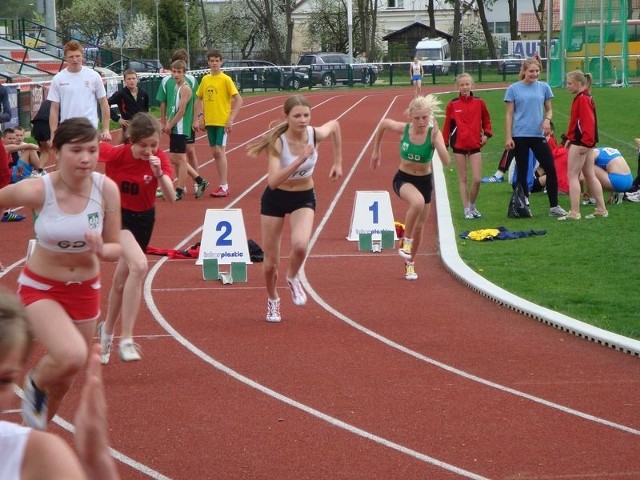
[[350, 27], [157, 2], [186, 14], [549, 30]]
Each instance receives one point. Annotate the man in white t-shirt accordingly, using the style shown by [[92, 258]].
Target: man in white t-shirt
[[74, 91]]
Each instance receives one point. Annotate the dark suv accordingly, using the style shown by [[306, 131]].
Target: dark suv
[[263, 74], [510, 63], [148, 65], [329, 68]]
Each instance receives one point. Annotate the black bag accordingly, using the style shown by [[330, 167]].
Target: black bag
[[255, 252], [518, 207]]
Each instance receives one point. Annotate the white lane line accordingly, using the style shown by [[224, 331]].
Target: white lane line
[[418, 355], [148, 296]]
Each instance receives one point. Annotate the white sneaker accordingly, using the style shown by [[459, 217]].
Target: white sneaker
[[273, 310], [129, 351], [557, 211], [105, 342], [410, 271], [297, 292], [633, 197]]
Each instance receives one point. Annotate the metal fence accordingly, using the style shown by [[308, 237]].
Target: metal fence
[[26, 98]]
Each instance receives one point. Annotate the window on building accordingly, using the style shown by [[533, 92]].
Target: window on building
[[395, 3]]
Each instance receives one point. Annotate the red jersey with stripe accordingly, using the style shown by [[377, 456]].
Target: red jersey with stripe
[[134, 177]]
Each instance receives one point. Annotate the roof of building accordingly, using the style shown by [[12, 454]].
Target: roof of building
[[529, 23]]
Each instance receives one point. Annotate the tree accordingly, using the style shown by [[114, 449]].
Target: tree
[[17, 9], [513, 18], [241, 29], [90, 21], [485, 26], [271, 14]]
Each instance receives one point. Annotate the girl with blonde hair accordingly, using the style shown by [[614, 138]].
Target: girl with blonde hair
[[420, 137]]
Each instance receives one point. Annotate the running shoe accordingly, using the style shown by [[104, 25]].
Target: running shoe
[[468, 215], [200, 187], [273, 310], [492, 179], [179, 194], [106, 342], [633, 197], [11, 216], [557, 211], [36, 174], [410, 271], [129, 351], [476, 213], [297, 292], [220, 192], [405, 250], [589, 201], [159, 193], [34, 405]]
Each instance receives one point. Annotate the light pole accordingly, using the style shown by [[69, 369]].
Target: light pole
[[157, 33], [186, 14]]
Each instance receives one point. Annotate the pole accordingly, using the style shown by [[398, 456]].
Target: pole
[[549, 30], [350, 27], [186, 13], [157, 33]]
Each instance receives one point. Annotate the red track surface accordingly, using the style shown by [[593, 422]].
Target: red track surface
[[375, 378]]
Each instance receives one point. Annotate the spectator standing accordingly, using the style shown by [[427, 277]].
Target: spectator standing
[[582, 134], [75, 90], [467, 127], [527, 123], [217, 105], [130, 99]]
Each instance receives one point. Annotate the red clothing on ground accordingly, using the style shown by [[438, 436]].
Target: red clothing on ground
[[135, 179], [467, 118], [583, 123], [560, 158]]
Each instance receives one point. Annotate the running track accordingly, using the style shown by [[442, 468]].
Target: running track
[[375, 378]]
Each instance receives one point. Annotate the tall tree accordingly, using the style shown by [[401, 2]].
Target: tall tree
[[485, 25], [513, 18], [432, 19], [270, 13]]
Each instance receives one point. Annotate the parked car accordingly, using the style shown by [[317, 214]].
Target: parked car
[[263, 74], [147, 65], [110, 79], [329, 68], [510, 63]]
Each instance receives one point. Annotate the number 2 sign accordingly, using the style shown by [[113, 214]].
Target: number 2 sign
[[224, 237]]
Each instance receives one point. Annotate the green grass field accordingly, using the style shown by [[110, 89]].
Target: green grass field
[[587, 269]]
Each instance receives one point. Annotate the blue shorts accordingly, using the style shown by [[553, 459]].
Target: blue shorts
[[416, 77], [621, 183]]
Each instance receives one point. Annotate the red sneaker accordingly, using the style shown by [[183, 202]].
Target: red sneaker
[[220, 192]]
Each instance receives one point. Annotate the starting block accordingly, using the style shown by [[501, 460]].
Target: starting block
[[376, 242], [211, 271]]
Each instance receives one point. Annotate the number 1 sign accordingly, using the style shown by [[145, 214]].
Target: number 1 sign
[[224, 237], [371, 214]]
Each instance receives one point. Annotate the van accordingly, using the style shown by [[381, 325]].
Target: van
[[435, 55]]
